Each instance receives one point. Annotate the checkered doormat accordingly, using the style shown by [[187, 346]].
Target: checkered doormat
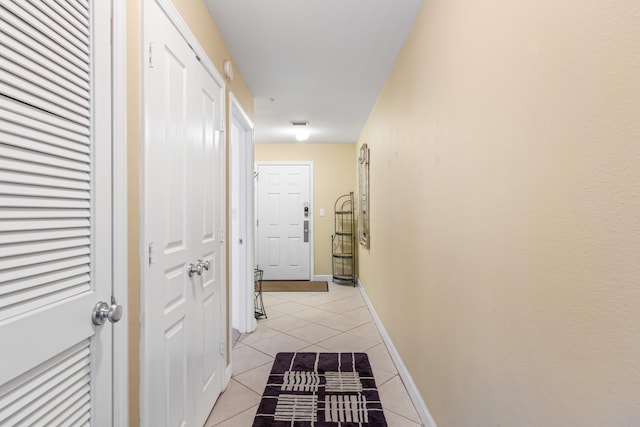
[[320, 390]]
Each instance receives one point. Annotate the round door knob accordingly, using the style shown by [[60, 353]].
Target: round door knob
[[103, 312]]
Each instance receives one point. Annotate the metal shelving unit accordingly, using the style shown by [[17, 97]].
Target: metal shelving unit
[[343, 242]]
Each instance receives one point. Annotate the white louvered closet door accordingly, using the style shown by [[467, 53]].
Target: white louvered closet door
[[55, 212]]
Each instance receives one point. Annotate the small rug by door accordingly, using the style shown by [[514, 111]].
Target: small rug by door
[[294, 286], [320, 390]]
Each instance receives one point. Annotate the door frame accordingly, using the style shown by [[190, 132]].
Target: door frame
[[241, 194], [311, 209], [120, 213], [144, 252]]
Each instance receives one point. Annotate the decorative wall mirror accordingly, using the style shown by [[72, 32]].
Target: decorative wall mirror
[[363, 196]]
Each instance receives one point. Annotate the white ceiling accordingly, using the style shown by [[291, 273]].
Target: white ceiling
[[321, 61]]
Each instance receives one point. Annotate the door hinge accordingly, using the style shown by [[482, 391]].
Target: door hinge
[[150, 54], [223, 348], [222, 235], [150, 254]]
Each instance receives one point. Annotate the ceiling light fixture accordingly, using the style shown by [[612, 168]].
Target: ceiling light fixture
[[301, 130]]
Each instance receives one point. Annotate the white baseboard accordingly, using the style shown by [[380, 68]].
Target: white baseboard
[[412, 389], [323, 277]]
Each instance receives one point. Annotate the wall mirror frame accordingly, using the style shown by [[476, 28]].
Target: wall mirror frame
[[363, 197]]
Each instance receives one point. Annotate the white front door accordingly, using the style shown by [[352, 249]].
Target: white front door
[[55, 212], [284, 221], [183, 312]]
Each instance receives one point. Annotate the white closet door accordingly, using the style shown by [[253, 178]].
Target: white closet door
[[184, 196], [208, 243], [55, 212]]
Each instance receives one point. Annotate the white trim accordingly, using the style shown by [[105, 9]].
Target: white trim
[[120, 244], [243, 200], [311, 208], [412, 389], [323, 277]]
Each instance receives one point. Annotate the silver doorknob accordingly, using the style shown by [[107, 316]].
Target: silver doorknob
[[103, 312], [204, 264], [194, 269]]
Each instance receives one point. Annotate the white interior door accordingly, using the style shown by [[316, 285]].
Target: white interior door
[[284, 221], [55, 212], [208, 222], [241, 236], [184, 219]]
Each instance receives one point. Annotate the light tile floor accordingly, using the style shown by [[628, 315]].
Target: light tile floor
[[333, 321]]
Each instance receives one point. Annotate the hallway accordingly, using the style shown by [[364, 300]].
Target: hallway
[[334, 321]]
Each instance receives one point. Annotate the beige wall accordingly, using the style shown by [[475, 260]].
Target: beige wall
[[333, 166], [505, 211], [197, 17]]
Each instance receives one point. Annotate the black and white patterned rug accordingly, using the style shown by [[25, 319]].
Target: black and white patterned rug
[[320, 390]]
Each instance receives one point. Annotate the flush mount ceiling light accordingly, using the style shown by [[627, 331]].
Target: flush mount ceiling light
[[301, 130]]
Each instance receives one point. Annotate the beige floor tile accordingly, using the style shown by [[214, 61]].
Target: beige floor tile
[[243, 419], [313, 333], [328, 297], [285, 323], [361, 313], [394, 397], [238, 344], [381, 376], [347, 343], [272, 313], [246, 358], [395, 420], [290, 307], [315, 349], [235, 399], [313, 314], [380, 358], [368, 331], [262, 332], [272, 299], [341, 323], [255, 379], [345, 304], [281, 343]]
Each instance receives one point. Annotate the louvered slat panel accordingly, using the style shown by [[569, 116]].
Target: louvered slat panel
[[17, 35], [9, 252], [25, 202], [80, 18], [77, 275], [41, 164], [47, 25], [11, 213], [71, 286], [24, 190], [52, 124], [19, 87], [32, 398], [81, 7], [27, 86], [30, 179], [36, 235], [35, 258], [37, 146], [42, 75], [74, 415], [43, 224], [69, 19], [25, 127]]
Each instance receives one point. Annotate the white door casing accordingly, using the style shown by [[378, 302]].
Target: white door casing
[[241, 203], [284, 217], [183, 315], [56, 217]]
